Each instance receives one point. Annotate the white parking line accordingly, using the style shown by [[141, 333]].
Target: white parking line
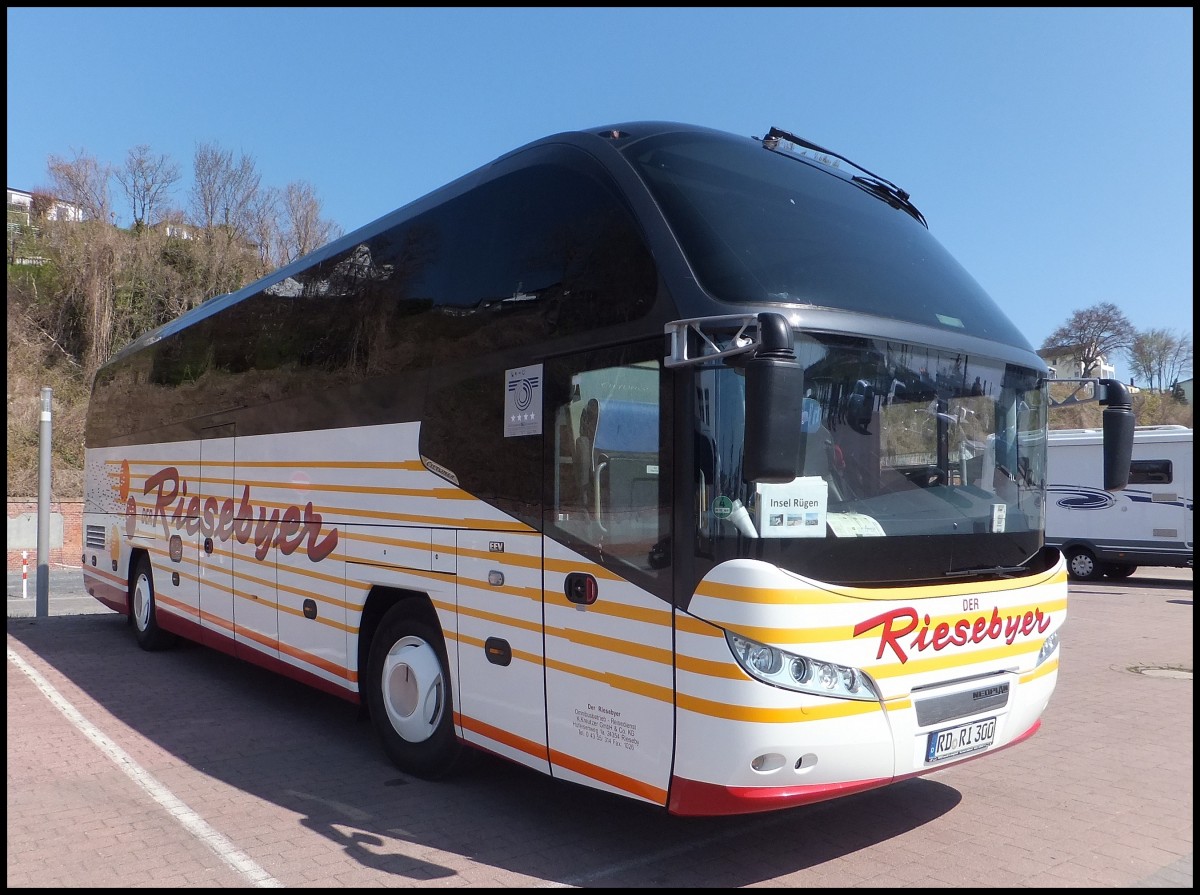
[[192, 822]]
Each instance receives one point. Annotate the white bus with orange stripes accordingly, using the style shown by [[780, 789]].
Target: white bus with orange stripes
[[677, 464]]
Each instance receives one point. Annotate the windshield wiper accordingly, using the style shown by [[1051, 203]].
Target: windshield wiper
[[998, 571], [872, 183], [890, 193]]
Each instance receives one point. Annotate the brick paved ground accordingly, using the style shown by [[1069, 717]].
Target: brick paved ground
[[189, 769]]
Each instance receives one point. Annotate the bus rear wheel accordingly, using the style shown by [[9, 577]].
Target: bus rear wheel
[[408, 694], [143, 610], [1082, 565]]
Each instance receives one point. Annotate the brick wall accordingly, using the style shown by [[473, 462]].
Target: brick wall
[[66, 533]]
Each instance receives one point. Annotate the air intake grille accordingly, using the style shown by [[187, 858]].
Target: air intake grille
[[959, 705], [94, 536]]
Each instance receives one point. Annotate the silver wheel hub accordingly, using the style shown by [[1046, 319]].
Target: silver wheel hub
[[141, 603], [413, 689]]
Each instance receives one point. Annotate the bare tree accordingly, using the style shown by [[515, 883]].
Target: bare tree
[[225, 200], [1093, 334], [147, 180], [89, 252], [89, 257], [223, 192], [302, 229], [1159, 356], [265, 223], [288, 224], [83, 182], [1179, 362]]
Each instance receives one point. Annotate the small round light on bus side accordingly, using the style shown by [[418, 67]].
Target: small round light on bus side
[[765, 659], [827, 675], [801, 670], [849, 679]]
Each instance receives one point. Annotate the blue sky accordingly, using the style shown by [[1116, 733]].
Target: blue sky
[[1049, 149]]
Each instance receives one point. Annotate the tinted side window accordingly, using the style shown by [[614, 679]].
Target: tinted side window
[[1150, 472], [537, 256], [544, 252]]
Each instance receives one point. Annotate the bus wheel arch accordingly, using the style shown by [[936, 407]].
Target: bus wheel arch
[[406, 685], [143, 606], [379, 602]]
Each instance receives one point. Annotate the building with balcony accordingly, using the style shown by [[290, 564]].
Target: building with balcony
[[23, 210]]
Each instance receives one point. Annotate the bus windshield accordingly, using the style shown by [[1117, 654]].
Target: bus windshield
[[916, 464]]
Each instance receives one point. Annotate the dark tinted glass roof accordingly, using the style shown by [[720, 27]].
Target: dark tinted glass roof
[[761, 226]]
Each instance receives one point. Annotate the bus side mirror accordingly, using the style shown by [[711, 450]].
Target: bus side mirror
[[774, 403], [1119, 422]]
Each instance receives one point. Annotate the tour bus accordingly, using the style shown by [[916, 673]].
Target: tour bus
[[682, 465]]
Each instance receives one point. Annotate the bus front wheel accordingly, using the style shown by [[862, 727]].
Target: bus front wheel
[[1082, 565], [408, 694], [143, 610]]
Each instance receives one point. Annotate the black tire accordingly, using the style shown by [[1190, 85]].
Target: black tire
[[1082, 565], [143, 610], [1119, 570], [408, 693]]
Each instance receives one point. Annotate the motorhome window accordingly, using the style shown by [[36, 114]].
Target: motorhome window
[[1150, 472]]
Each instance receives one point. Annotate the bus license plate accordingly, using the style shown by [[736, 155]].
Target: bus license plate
[[959, 740]]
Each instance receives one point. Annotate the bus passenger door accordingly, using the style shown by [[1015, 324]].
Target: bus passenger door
[[608, 618], [500, 696], [215, 555]]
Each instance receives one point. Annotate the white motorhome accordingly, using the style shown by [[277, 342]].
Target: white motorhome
[[1105, 533]]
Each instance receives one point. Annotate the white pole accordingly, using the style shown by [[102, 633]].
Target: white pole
[[42, 608]]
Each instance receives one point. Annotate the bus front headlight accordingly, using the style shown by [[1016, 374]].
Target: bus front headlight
[[803, 674]]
